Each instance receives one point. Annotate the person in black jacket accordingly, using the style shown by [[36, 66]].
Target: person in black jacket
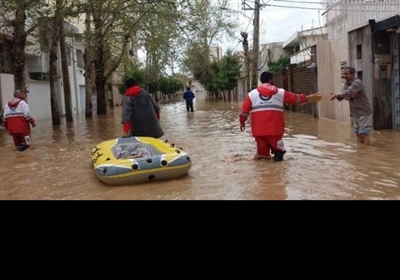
[[141, 115], [188, 95]]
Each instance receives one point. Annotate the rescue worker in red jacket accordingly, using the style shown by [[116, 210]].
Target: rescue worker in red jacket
[[266, 106], [17, 118]]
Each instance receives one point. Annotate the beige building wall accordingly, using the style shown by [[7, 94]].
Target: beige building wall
[[38, 97], [116, 96], [215, 53], [270, 52], [332, 55]]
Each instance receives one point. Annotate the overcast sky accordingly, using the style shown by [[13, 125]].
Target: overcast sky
[[276, 23]]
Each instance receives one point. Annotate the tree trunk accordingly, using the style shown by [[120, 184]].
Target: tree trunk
[[55, 114], [100, 81], [88, 69], [99, 65], [18, 49], [65, 74]]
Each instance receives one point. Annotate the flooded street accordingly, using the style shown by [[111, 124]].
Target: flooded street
[[323, 160]]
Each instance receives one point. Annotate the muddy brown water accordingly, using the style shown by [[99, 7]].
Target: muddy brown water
[[323, 160]]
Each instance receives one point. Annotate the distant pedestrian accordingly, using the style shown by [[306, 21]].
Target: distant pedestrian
[[360, 108], [188, 95], [17, 120], [140, 115], [265, 104]]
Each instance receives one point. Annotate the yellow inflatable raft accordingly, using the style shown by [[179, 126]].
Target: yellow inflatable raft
[[131, 160]]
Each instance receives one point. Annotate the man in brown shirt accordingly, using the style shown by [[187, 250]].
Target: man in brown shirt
[[360, 109]]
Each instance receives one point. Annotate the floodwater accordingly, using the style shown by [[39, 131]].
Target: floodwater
[[323, 160]]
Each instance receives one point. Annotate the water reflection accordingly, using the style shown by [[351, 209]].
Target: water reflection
[[323, 160]]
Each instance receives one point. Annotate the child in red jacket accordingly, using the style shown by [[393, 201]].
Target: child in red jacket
[[17, 119]]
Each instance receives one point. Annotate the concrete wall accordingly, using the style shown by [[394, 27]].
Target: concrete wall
[[331, 57], [362, 59], [38, 97], [39, 100], [116, 96], [6, 89]]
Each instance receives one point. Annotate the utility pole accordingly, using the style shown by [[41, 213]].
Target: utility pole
[[256, 40], [247, 60]]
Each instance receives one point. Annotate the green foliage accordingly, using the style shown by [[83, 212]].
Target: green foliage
[[205, 23], [133, 72], [197, 60], [169, 85], [159, 37], [214, 81], [152, 86], [279, 65], [228, 72]]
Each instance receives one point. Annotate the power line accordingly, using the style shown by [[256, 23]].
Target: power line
[[245, 31], [294, 7], [299, 2]]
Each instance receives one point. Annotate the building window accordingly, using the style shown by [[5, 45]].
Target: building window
[[360, 75], [78, 38], [383, 71], [79, 59], [5, 65], [359, 51]]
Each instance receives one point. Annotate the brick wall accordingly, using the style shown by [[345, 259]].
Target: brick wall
[[278, 79], [302, 84], [297, 80]]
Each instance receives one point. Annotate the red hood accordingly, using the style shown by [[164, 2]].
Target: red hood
[[133, 91], [14, 102], [267, 89]]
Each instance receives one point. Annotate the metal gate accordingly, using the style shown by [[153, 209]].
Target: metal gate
[[395, 81]]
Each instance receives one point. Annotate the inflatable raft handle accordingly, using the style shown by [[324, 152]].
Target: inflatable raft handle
[[98, 155], [94, 150]]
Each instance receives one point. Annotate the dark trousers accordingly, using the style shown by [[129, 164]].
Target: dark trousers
[[189, 106]]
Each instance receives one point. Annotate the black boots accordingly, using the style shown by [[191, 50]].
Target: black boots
[[278, 156], [22, 147]]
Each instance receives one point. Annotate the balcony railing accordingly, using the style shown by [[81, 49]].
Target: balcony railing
[[344, 15]]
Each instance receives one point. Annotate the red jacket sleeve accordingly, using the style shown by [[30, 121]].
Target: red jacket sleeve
[[31, 121], [126, 127], [245, 110], [294, 98]]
